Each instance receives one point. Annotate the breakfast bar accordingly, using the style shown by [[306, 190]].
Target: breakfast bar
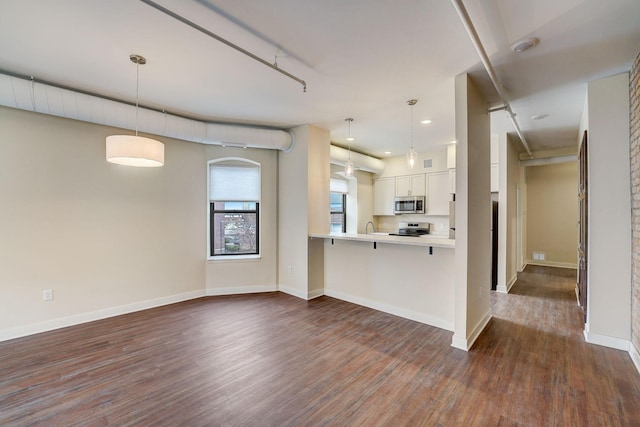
[[411, 277]]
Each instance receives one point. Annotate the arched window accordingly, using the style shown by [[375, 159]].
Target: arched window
[[234, 208]]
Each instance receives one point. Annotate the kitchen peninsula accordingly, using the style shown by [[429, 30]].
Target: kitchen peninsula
[[411, 277]]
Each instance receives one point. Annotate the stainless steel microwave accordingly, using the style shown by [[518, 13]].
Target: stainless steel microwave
[[408, 205]]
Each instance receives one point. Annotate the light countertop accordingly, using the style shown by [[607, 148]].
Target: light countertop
[[426, 240]]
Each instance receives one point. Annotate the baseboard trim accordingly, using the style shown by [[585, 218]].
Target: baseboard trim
[[315, 294], [466, 343], [294, 292], [391, 309], [77, 319], [505, 289], [606, 341], [553, 264], [237, 290], [635, 356]]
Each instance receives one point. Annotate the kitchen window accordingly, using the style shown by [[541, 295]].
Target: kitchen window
[[339, 188], [234, 209], [338, 212]]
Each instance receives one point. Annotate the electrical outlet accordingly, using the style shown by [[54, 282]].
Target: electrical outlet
[[47, 295], [289, 269]]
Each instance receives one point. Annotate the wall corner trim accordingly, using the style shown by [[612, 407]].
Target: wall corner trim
[[606, 341], [635, 356], [466, 343]]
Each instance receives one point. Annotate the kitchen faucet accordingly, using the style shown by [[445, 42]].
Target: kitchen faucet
[[366, 227]]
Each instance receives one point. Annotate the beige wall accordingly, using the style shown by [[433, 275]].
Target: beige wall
[[303, 208], [106, 238], [552, 217], [609, 230], [365, 199], [634, 87], [507, 212], [473, 214], [250, 275]]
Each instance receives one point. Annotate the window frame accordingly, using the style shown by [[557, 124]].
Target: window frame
[[343, 212], [239, 161]]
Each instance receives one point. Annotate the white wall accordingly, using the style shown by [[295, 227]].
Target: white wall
[[609, 230], [398, 279], [227, 276], [473, 214], [106, 238]]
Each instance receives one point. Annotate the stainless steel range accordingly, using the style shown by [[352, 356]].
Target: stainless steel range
[[412, 229]]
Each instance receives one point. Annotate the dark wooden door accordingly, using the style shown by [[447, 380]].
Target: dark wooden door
[[583, 196]]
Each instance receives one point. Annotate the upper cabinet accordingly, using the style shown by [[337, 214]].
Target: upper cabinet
[[411, 185], [383, 194], [438, 200], [451, 156]]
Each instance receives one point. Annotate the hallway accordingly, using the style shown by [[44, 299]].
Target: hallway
[[544, 367]]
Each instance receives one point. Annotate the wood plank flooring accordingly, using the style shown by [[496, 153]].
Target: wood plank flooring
[[275, 360]]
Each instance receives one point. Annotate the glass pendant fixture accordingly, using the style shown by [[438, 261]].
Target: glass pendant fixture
[[411, 155], [349, 167], [134, 150]]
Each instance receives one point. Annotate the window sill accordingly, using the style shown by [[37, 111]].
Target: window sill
[[234, 258]]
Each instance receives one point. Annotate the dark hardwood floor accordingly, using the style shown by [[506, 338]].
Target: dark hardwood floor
[[275, 360]]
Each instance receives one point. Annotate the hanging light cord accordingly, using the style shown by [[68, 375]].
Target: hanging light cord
[[137, 92], [411, 125]]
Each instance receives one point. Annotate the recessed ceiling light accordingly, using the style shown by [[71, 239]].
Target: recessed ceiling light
[[350, 138], [524, 44], [387, 152], [453, 141], [539, 116], [425, 121]]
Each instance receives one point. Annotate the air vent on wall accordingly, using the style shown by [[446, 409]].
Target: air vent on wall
[[427, 163]]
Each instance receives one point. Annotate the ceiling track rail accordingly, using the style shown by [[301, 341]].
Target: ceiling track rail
[[224, 41], [475, 39]]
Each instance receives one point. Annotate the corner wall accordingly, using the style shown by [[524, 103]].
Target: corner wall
[[634, 119], [303, 208], [609, 228], [509, 181], [473, 214]]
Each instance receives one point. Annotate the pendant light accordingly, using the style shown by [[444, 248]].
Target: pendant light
[[349, 167], [411, 155], [134, 150]]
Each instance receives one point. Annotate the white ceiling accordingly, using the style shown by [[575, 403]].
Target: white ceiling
[[360, 58]]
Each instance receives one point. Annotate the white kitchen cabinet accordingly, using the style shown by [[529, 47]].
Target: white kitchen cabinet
[[452, 181], [494, 178], [438, 193], [411, 185], [451, 156], [383, 194]]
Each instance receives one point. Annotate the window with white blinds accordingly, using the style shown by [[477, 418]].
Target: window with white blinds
[[234, 209], [232, 182]]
